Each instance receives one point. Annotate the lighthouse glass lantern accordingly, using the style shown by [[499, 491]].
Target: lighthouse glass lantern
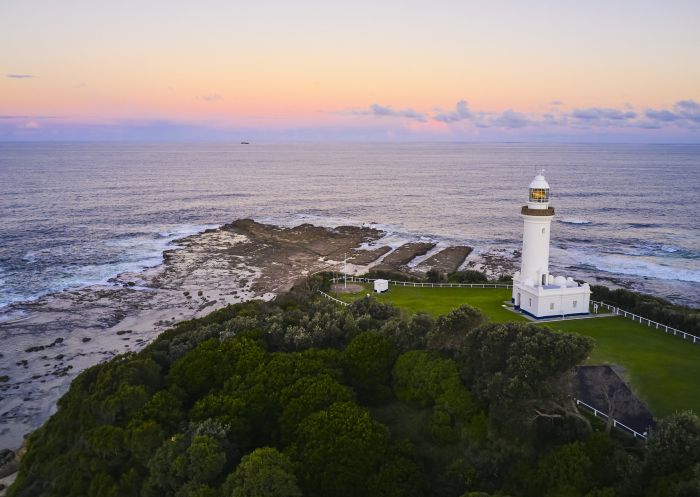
[[539, 195]]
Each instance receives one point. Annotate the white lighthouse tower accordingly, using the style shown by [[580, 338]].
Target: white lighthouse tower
[[535, 291]]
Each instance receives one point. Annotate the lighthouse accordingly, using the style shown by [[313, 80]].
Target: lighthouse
[[535, 291]]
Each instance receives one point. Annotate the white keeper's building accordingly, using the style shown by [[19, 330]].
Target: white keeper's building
[[535, 291]]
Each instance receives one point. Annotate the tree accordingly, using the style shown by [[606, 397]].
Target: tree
[[408, 335], [434, 276], [336, 451], [563, 472], [212, 362], [143, 438], [197, 457], [399, 475], [259, 390], [265, 472], [165, 407], [227, 409], [124, 403], [674, 445], [308, 395], [368, 360], [522, 371], [450, 330], [419, 377], [376, 310], [467, 276], [106, 444]]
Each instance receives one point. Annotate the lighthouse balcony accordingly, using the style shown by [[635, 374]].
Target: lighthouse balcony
[[529, 211]]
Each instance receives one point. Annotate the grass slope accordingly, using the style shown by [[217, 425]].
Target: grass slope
[[663, 370]]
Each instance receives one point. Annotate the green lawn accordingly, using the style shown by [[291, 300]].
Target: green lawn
[[439, 301], [662, 369]]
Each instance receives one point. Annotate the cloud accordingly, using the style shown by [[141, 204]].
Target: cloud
[[661, 115], [688, 109], [599, 114], [377, 110], [512, 119], [683, 117], [21, 76], [684, 113], [461, 113], [13, 116], [213, 97]]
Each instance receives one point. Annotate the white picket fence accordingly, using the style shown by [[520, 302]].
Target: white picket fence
[[641, 319], [616, 424], [333, 298], [426, 285]]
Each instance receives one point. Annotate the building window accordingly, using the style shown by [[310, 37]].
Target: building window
[[543, 230], [551, 306], [530, 302], [575, 303]]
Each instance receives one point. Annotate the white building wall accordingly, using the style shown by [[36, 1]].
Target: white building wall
[[554, 301], [535, 254]]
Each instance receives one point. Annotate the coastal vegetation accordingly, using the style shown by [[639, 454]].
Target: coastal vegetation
[[657, 309], [302, 396], [663, 370]]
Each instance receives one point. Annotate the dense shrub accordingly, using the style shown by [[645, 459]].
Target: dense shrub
[[660, 310], [467, 276]]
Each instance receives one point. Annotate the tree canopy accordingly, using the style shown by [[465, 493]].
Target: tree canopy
[[304, 397]]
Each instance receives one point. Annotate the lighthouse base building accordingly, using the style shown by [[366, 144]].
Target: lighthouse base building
[[556, 299], [535, 291]]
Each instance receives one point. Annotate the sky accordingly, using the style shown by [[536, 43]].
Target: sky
[[365, 70]]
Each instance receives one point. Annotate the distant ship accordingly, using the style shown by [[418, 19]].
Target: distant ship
[[245, 143]]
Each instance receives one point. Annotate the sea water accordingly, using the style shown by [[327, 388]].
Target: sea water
[[76, 214]]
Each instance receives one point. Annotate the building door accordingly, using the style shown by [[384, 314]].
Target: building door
[[517, 300]]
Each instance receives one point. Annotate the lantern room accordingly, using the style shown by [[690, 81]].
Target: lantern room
[[539, 193]]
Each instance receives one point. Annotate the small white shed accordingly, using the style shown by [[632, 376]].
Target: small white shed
[[381, 286]]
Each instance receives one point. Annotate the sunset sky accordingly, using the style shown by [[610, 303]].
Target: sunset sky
[[353, 70]]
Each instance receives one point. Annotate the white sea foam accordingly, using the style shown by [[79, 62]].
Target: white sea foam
[[137, 253], [575, 220], [638, 266]]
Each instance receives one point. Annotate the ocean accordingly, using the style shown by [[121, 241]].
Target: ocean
[[74, 214]]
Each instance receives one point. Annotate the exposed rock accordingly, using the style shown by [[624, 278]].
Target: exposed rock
[[403, 255], [237, 262], [446, 261], [8, 462], [364, 257]]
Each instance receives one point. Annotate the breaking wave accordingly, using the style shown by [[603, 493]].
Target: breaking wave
[[575, 220]]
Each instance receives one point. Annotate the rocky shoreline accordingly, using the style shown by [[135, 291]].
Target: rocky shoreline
[[47, 342]]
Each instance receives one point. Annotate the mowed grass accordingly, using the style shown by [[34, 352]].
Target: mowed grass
[[663, 370], [437, 301]]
